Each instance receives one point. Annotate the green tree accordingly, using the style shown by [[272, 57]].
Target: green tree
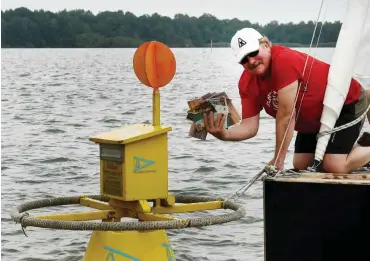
[[79, 28]]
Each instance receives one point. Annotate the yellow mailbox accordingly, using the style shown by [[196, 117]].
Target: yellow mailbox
[[134, 162], [134, 158]]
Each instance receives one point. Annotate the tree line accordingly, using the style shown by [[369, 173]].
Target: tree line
[[23, 28]]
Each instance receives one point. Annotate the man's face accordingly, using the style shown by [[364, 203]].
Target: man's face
[[257, 63]]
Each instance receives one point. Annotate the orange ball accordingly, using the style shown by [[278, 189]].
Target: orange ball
[[154, 64]]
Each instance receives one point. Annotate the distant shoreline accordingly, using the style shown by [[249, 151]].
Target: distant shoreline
[[23, 28]]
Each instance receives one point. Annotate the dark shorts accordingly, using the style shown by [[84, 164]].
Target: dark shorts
[[341, 142]]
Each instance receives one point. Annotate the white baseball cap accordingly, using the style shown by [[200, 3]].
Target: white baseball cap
[[245, 41]]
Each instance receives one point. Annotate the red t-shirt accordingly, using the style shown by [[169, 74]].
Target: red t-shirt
[[286, 66]]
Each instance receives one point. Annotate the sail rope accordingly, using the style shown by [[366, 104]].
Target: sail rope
[[300, 84], [271, 170], [309, 74], [323, 133], [347, 125]]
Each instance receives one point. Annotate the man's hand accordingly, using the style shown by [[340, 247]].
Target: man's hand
[[216, 127], [279, 163]]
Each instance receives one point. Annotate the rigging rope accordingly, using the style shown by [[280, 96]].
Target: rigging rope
[[344, 126], [246, 186], [271, 170], [299, 87], [309, 74]]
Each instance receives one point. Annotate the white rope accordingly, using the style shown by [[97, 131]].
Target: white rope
[[299, 87], [344, 126], [246, 186], [309, 74], [271, 170]]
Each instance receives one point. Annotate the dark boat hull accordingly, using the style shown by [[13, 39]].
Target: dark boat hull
[[322, 218]]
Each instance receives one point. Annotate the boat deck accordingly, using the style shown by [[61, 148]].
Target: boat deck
[[357, 178]]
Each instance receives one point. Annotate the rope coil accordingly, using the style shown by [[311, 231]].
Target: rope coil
[[19, 216]]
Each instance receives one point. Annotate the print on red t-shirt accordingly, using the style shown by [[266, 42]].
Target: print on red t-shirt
[[287, 65]]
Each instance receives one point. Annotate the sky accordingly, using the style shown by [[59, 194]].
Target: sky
[[256, 11]]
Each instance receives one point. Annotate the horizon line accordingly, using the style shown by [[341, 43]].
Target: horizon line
[[151, 14]]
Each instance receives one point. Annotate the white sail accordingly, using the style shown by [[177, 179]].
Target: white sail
[[350, 59], [362, 66]]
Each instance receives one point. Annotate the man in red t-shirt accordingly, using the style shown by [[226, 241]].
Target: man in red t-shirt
[[271, 78]]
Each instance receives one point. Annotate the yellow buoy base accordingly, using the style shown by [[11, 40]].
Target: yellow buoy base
[[129, 245]]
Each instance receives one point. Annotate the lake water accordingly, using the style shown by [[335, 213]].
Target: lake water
[[54, 99]]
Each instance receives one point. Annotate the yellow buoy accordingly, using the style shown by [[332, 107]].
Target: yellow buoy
[[133, 184]]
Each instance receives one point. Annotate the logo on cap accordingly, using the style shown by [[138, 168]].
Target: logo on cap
[[241, 42]]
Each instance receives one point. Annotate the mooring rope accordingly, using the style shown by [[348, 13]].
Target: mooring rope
[[244, 188], [19, 215]]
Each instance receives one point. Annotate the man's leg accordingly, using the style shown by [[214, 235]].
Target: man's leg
[[346, 163], [302, 161], [304, 150], [342, 154]]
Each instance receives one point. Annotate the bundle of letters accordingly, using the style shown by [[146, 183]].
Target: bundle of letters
[[210, 102]]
